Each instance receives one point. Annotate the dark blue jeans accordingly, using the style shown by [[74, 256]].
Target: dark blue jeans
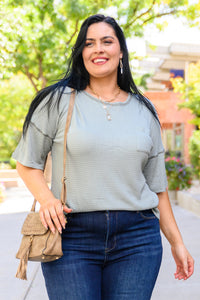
[[108, 255]]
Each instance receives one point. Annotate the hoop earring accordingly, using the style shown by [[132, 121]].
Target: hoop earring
[[121, 65]]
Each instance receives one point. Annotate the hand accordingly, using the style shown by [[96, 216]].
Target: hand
[[184, 262], [51, 214]]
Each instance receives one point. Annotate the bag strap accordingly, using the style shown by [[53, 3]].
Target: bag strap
[[67, 125], [69, 116]]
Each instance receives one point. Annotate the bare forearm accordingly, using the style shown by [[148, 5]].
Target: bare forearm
[[51, 209], [183, 259], [167, 221], [35, 182]]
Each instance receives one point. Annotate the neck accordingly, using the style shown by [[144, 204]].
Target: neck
[[102, 88]]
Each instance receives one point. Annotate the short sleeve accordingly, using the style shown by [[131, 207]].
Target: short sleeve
[[154, 171], [34, 147]]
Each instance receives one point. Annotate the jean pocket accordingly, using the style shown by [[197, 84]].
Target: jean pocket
[[147, 214]]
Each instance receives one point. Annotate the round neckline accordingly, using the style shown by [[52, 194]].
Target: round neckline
[[107, 102]]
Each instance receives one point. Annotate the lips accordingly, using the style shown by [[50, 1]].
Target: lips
[[100, 60]]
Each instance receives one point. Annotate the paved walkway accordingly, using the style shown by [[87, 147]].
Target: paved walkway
[[12, 213]]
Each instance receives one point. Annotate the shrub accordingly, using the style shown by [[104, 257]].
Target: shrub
[[178, 174], [12, 163], [194, 151]]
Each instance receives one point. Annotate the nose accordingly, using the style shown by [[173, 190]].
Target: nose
[[99, 47]]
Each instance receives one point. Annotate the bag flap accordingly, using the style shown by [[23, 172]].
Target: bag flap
[[33, 225]]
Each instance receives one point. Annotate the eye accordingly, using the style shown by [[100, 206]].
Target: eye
[[107, 42], [88, 44]]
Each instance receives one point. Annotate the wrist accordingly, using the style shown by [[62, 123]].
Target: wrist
[[176, 243], [45, 197]]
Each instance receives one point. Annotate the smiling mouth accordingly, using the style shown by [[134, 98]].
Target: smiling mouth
[[99, 60]]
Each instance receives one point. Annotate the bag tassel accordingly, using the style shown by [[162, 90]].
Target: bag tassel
[[21, 271]]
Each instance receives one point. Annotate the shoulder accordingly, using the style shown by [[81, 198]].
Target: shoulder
[[146, 111], [54, 103], [148, 106], [48, 113], [63, 100]]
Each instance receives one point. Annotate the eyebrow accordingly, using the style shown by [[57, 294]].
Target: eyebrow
[[105, 37]]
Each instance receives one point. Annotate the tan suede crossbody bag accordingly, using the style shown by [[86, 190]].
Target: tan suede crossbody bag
[[39, 243]]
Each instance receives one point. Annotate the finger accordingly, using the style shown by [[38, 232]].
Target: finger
[[60, 214], [179, 276], [178, 270], [48, 218], [179, 273], [43, 219], [190, 272], [67, 209], [190, 266], [55, 219], [185, 268]]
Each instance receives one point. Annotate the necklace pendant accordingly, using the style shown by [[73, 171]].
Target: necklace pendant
[[109, 117], [106, 110]]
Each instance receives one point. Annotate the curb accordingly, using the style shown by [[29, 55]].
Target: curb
[[189, 201]]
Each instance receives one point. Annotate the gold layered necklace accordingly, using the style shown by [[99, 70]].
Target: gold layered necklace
[[106, 100]]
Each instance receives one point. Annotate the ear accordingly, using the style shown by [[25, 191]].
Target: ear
[[121, 55]]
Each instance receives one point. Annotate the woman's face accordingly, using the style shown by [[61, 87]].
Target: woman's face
[[101, 53]]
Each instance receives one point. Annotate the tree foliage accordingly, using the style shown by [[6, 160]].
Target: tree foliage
[[194, 151], [36, 36], [190, 92], [14, 103]]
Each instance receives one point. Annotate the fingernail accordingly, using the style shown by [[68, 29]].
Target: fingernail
[[60, 230]]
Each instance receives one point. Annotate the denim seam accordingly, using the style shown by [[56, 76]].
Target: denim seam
[[107, 230], [146, 217], [107, 250], [106, 237]]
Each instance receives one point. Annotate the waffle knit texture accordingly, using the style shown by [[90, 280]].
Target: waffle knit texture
[[111, 165]]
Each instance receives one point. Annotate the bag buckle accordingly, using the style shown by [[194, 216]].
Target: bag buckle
[[63, 179]]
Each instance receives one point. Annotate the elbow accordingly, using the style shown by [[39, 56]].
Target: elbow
[[19, 168], [163, 193]]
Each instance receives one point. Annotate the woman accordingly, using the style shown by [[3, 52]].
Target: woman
[[116, 181]]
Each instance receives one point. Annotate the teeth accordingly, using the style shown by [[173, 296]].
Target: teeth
[[99, 60]]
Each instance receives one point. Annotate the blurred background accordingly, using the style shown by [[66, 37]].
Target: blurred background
[[163, 38]]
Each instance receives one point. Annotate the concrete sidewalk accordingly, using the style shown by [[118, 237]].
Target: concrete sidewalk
[[12, 215]]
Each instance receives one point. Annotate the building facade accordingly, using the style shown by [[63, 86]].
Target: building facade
[[163, 63], [176, 129]]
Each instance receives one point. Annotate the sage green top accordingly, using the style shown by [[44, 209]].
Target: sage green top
[[111, 165]]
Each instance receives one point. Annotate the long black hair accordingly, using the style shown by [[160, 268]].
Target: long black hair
[[77, 77]]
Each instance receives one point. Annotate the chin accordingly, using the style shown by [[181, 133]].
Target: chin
[[103, 74]]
